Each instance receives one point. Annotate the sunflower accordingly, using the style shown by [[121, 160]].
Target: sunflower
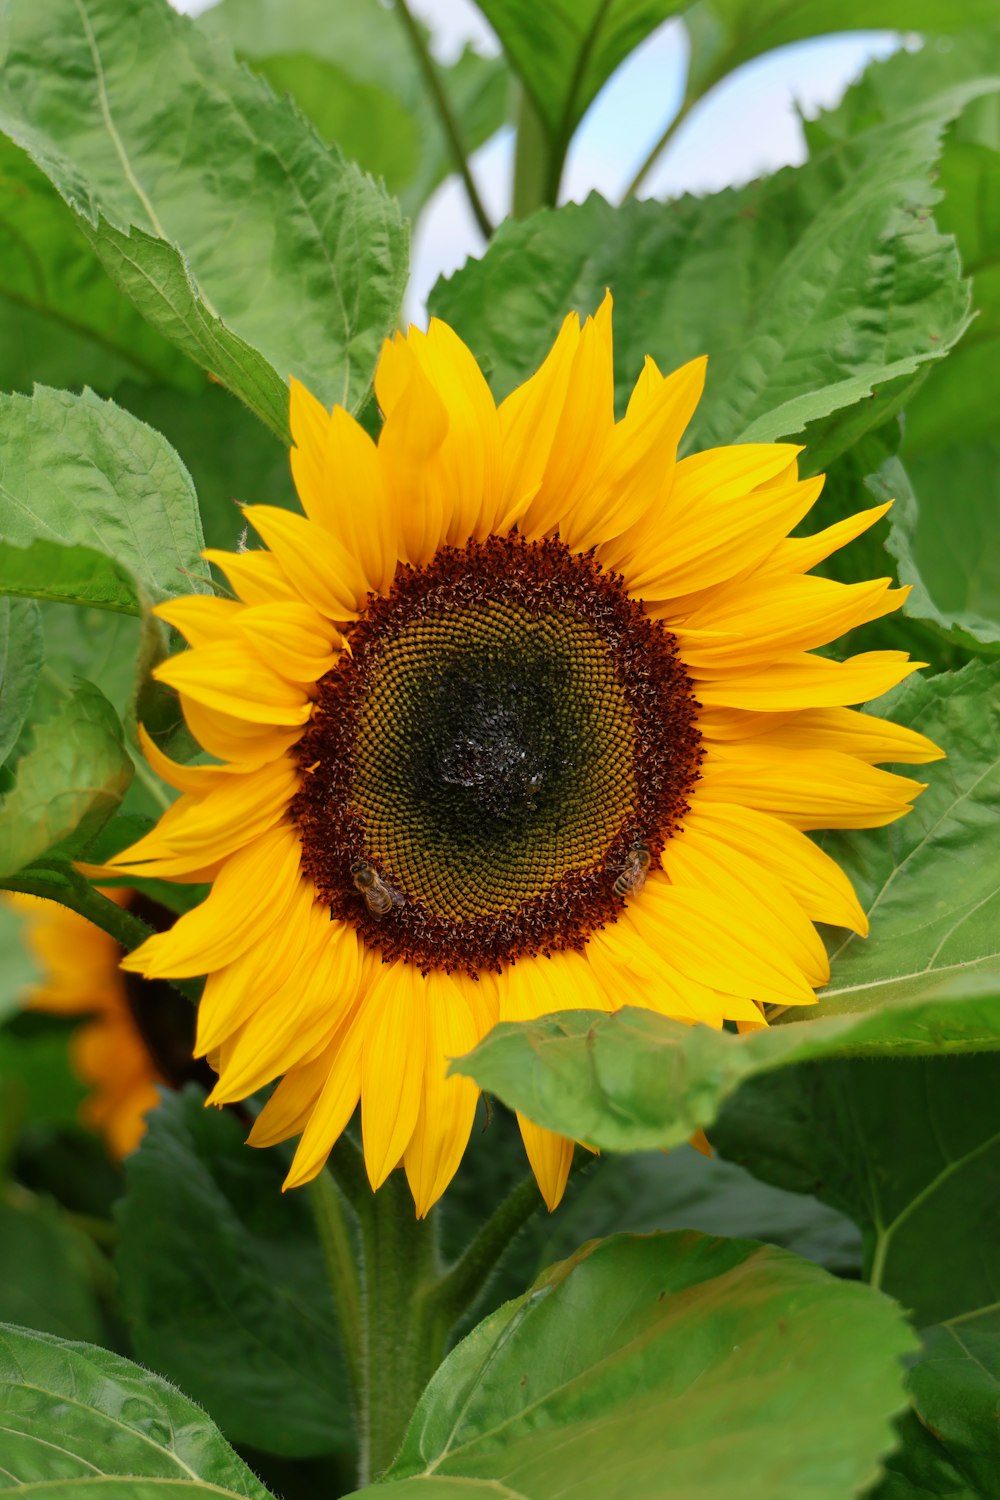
[[519, 716], [139, 1034]]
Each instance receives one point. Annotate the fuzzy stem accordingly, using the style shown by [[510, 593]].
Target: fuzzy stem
[[337, 1244]]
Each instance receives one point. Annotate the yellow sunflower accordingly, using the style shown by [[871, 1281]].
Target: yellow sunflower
[[520, 716], [139, 1034]]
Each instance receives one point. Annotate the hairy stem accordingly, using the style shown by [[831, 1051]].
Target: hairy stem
[[340, 1258]]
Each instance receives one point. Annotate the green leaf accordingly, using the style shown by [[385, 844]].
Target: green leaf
[[682, 1189], [956, 1392], [352, 71], [950, 453], [911, 1151], [20, 663], [67, 785], [930, 935], [942, 539], [920, 1469], [611, 1374], [564, 53], [74, 1414], [63, 322], [724, 34], [46, 1279], [95, 507], [921, 1194], [636, 1081], [215, 207], [812, 291], [230, 457], [228, 1295]]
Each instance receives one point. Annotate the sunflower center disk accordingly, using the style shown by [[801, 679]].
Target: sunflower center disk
[[508, 727]]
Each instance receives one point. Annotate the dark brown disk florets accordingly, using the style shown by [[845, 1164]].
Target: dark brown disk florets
[[508, 728]]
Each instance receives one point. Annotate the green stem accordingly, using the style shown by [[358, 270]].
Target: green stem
[[530, 158], [404, 1337], [337, 1244], [72, 890], [446, 115], [458, 1289], [656, 151]]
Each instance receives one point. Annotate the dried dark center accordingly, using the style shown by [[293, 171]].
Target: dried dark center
[[508, 729]]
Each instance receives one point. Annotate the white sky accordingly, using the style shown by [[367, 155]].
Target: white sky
[[749, 126]]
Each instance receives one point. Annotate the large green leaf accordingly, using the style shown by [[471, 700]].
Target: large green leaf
[[658, 1365], [67, 784], [931, 933], [634, 1081], [20, 663], [63, 322], [563, 52], [74, 1415], [727, 33], [352, 71], [911, 1151], [821, 294], [95, 507], [228, 1296], [230, 457], [213, 204], [940, 530]]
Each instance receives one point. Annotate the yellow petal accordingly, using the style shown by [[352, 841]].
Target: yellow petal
[[585, 425], [232, 739], [807, 788], [319, 567], [228, 677], [550, 1157], [448, 1104], [337, 1099], [636, 469], [393, 1064], [294, 639], [816, 880], [738, 880], [200, 618], [256, 577], [416, 425], [251, 895], [804, 681]]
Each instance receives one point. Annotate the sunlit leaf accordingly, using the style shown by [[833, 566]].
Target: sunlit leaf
[[564, 52], [820, 294], [95, 506], [213, 204], [726, 33], [351, 70]]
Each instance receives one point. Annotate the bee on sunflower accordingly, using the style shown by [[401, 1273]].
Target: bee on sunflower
[[521, 715]]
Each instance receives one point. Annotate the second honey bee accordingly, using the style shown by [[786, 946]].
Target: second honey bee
[[632, 876], [378, 897]]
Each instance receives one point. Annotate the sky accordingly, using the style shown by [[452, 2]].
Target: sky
[[749, 126]]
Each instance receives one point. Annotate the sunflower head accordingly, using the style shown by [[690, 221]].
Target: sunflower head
[[520, 715]]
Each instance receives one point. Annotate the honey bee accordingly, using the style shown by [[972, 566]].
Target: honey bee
[[379, 897], [633, 873]]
